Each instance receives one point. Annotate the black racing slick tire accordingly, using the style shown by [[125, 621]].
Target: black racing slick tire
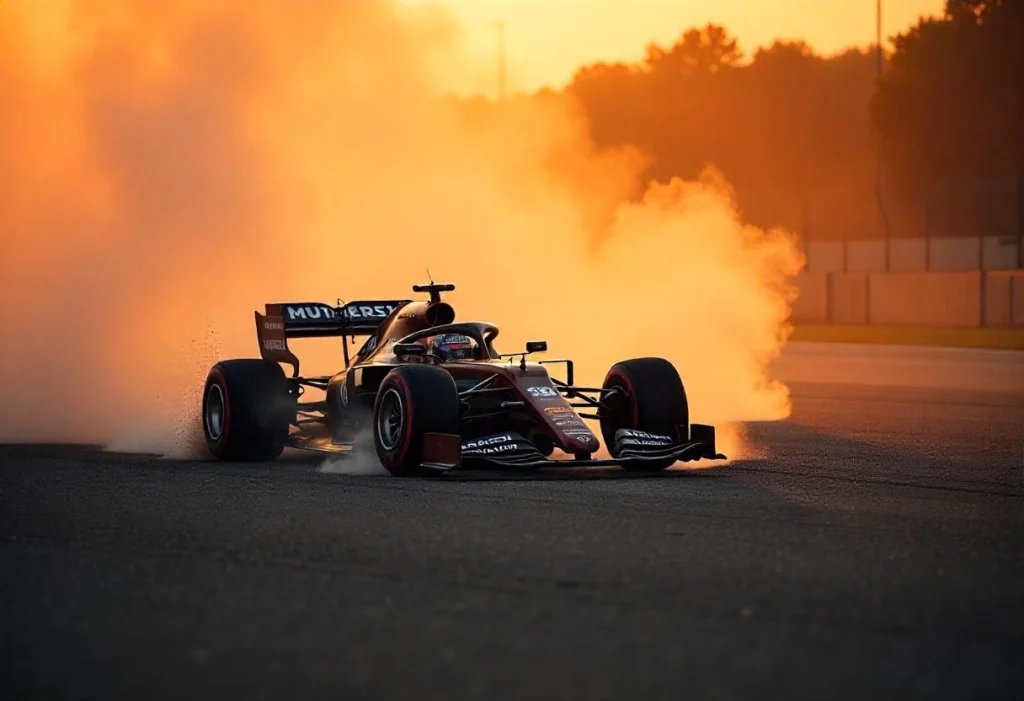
[[246, 410], [411, 401], [651, 398]]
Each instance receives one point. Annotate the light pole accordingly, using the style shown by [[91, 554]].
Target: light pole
[[878, 153], [878, 34], [500, 26]]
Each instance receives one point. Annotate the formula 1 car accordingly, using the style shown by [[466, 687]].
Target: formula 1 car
[[436, 395]]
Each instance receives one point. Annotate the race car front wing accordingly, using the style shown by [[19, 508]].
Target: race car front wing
[[508, 449]]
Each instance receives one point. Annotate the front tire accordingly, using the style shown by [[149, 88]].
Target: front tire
[[651, 398], [246, 410], [412, 400]]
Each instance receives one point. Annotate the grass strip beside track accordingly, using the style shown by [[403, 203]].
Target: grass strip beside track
[[998, 338]]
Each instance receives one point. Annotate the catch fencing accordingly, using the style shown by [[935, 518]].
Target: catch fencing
[[914, 254], [948, 255], [933, 299]]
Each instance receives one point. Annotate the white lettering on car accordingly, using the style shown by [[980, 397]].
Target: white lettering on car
[[542, 391], [497, 449], [493, 440], [309, 312], [325, 312], [577, 431], [365, 311], [633, 433], [571, 423]]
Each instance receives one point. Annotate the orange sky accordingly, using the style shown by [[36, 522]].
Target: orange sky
[[547, 40]]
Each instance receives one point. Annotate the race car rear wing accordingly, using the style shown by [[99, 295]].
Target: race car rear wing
[[312, 319], [284, 320]]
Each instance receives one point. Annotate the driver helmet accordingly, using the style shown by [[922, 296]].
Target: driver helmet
[[453, 346]]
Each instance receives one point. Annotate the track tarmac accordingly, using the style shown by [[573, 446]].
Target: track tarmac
[[874, 551]]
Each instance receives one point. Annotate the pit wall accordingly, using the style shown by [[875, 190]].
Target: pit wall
[[933, 299]]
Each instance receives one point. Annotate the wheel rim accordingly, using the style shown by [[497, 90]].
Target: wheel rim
[[616, 412], [215, 411], [390, 420], [617, 408]]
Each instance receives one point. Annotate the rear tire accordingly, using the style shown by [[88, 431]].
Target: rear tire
[[246, 410], [413, 400], [652, 399]]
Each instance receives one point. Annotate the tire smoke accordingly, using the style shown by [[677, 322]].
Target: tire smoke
[[168, 169]]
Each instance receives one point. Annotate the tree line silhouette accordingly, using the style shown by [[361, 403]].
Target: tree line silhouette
[[790, 129], [949, 114], [800, 135]]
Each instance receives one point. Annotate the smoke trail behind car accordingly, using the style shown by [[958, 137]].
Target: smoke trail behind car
[[169, 168]]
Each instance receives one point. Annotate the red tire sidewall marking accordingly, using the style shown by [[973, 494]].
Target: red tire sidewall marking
[[221, 381], [632, 394]]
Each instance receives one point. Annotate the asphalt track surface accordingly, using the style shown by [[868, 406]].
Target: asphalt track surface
[[875, 552]]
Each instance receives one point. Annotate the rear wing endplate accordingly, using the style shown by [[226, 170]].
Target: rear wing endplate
[[273, 341]]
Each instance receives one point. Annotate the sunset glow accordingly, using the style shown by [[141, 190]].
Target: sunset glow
[[546, 41]]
